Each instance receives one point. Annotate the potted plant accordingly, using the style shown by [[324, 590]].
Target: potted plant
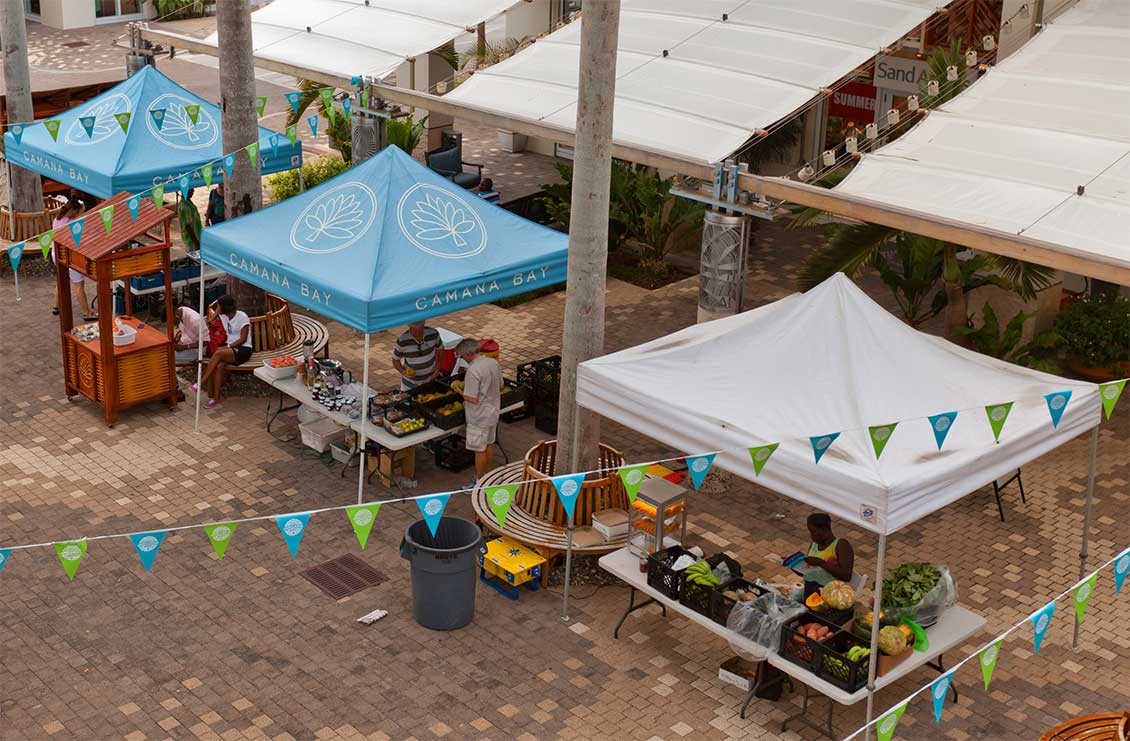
[[1095, 335]]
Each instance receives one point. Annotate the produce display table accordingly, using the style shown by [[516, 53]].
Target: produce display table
[[953, 627]]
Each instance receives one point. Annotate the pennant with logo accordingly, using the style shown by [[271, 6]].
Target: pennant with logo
[[274, 145], [327, 94], [500, 499], [293, 98], [938, 690], [432, 509], [147, 545], [193, 112], [107, 215], [347, 106], [997, 414], [633, 477], [988, 660], [261, 105], [15, 254], [252, 150], [1121, 567], [365, 98], [88, 125], [1057, 402], [123, 120], [159, 195], [52, 127], [292, 133], [220, 536], [183, 182], [885, 727], [1041, 619], [1081, 595], [17, 132], [229, 164], [5, 554], [699, 466], [133, 203], [45, 240], [568, 488], [157, 116], [880, 436], [941, 425], [1110, 393], [206, 174], [821, 443], [293, 527], [760, 456], [70, 555], [362, 517], [312, 122], [75, 228]]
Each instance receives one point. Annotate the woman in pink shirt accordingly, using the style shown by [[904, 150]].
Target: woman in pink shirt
[[72, 210], [191, 327]]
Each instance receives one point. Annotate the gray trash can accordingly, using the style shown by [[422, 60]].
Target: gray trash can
[[443, 571]]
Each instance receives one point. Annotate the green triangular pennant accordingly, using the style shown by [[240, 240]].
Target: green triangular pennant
[[45, 240], [206, 173], [327, 94], [292, 133], [880, 436], [70, 555], [362, 517], [365, 98], [159, 195], [252, 150], [1081, 595], [633, 477], [219, 536], [261, 105], [760, 456], [123, 120], [500, 499], [52, 127], [193, 112], [885, 726], [107, 215], [997, 414], [988, 660], [1110, 393]]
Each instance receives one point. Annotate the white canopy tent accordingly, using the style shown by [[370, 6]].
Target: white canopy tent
[[1039, 146], [691, 84]]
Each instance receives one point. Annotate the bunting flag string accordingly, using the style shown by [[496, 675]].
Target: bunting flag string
[[760, 456], [362, 517], [147, 545], [52, 127], [997, 414], [192, 110], [229, 164], [699, 466], [821, 443], [1057, 402], [1121, 567], [157, 115], [46, 239], [70, 555], [942, 424], [123, 120], [633, 477], [431, 507], [252, 150], [293, 527], [88, 125], [107, 216], [5, 554], [220, 536], [1110, 393], [568, 489], [184, 182], [206, 174], [15, 254], [1081, 595], [261, 105], [293, 97], [327, 94], [312, 122], [988, 660], [75, 228], [500, 498], [880, 436], [159, 195], [17, 132], [347, 107], [938, 691], [292, 133], [1041, 619], [133, 203], [885, 728]]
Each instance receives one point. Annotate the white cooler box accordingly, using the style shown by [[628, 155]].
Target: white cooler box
[[611, 523], [321, 433]]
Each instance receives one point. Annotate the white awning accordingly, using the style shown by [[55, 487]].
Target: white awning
[[362, 37], [1013, 151], [720, 81]]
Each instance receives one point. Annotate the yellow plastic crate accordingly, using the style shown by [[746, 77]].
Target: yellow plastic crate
[[512, 564]]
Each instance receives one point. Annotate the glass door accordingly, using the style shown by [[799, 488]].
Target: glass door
[[106, 10], [31, 7]]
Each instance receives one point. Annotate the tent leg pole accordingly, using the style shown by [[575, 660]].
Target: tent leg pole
[[873, 659], [1086, 522], [11, 211], [364, 421], [200, 347], [301, 182], [568, 568]]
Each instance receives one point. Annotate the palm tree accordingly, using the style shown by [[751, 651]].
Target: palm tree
[[338, 128]]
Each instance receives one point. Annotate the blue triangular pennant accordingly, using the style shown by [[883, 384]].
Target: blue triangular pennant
[[938, 691], [183, 182], [133, 203], [17, 131], [347, 106], [312, 121], [568, 488], [88, 124], [432, 509], [941, 424], [821, 443], [293, 98], [699, 466], [1057, 402], [5, 554], [147, 545], [15, 252], [1041, 619], [75, 228], [1121, 568], [293, 527], [229, 164], [157, 115], [274, 145]]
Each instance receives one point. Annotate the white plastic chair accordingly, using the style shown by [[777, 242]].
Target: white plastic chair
[[858, 582]]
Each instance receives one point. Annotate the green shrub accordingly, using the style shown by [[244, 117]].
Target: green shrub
[[1096, 329], [283, 185]]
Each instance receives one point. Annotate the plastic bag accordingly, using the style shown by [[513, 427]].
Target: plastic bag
[[939, 599], [760, 621], [722, 572]]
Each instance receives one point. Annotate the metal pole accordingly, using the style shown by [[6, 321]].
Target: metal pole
[[364, 421], [873, 659], [1086, 522], [301, 182], [200, 347], [568, 567], [11, 211]]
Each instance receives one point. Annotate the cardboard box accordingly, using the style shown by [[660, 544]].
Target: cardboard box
[[738, 672], [611, 523], [398, 463], [584, 537]]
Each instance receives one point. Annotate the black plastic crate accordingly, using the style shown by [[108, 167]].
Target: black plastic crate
[[542, 378], [661, 576], [721, 605], [150, 280], [443, 421], [431, 387], [827, 659], [451, 454], [698, 596], [545, 418]]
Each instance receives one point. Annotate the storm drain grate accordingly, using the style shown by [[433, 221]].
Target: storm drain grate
[[343, 576], [75, 44]]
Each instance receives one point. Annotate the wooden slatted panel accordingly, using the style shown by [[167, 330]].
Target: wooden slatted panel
[[538, 496], [144, 376]]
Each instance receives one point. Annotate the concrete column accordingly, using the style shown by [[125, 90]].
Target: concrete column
[[422, 75], [528, 19], [27, 187], [722, 275]]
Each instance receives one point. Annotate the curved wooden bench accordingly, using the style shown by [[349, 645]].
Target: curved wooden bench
[[278, 333], [539, 496], [30, 223], [1095, 727]]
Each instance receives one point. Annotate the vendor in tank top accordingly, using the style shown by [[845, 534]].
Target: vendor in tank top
[[828, 557]]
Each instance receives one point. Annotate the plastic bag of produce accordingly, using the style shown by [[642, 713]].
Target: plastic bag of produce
[[760, 621], [920, 591]]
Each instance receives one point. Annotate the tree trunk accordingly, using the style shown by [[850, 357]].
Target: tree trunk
[[26, 186], [578, 432], [957, 309], [243, 191]]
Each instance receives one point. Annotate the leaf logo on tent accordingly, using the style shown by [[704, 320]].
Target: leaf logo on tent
[[133, 203], [147, 545], [568, 488], [220, 536], [52, 129], [362, 517], [17, 132], [186, 125], [500, 499], [1057, 402], [821, 443], [760, 456], [5, 556], [880, 436], [941, 424], [70, 555], [938, 692], [293, 98], [1040, 622], [327, 94], [158, 117], [1110, 393], [997, 414], [159, 195], [229, 164], [699, 466], [45, 240], [105, 126], [292, 133], [261, 105], [335, 220], [88, 124], [440, 222], [75, 228], [432, 509], [15, 254], [1081, 595], [107, 215], [988, 661], [123, 120], [293, 527], [206, 173], [312, 122]]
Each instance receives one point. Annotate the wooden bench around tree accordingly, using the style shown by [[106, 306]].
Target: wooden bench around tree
[[278, 333], [23, 225], [1096, 727]]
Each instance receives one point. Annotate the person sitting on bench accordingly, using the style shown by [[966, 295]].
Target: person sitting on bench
[[190, 326], [236, 349]]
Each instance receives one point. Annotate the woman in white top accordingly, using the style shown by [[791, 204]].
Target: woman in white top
[[235, 351]]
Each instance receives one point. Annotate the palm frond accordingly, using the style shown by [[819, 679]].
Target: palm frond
[[848, 249], [1026, 278], [804, 216]]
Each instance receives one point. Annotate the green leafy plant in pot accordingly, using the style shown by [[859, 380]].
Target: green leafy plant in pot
[[1094, 333]]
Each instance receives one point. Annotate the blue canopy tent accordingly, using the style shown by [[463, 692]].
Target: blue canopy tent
[[107, 160], [386, 243]]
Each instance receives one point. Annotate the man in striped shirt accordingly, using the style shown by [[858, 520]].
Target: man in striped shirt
[[416, 355]]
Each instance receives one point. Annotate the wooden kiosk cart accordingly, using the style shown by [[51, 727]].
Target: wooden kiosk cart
[[117, 376]]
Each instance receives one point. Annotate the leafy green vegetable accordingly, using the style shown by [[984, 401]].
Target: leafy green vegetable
[[908, 584]]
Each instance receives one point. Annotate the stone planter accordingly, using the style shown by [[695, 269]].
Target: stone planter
[[1098, 375], [511, 141]]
